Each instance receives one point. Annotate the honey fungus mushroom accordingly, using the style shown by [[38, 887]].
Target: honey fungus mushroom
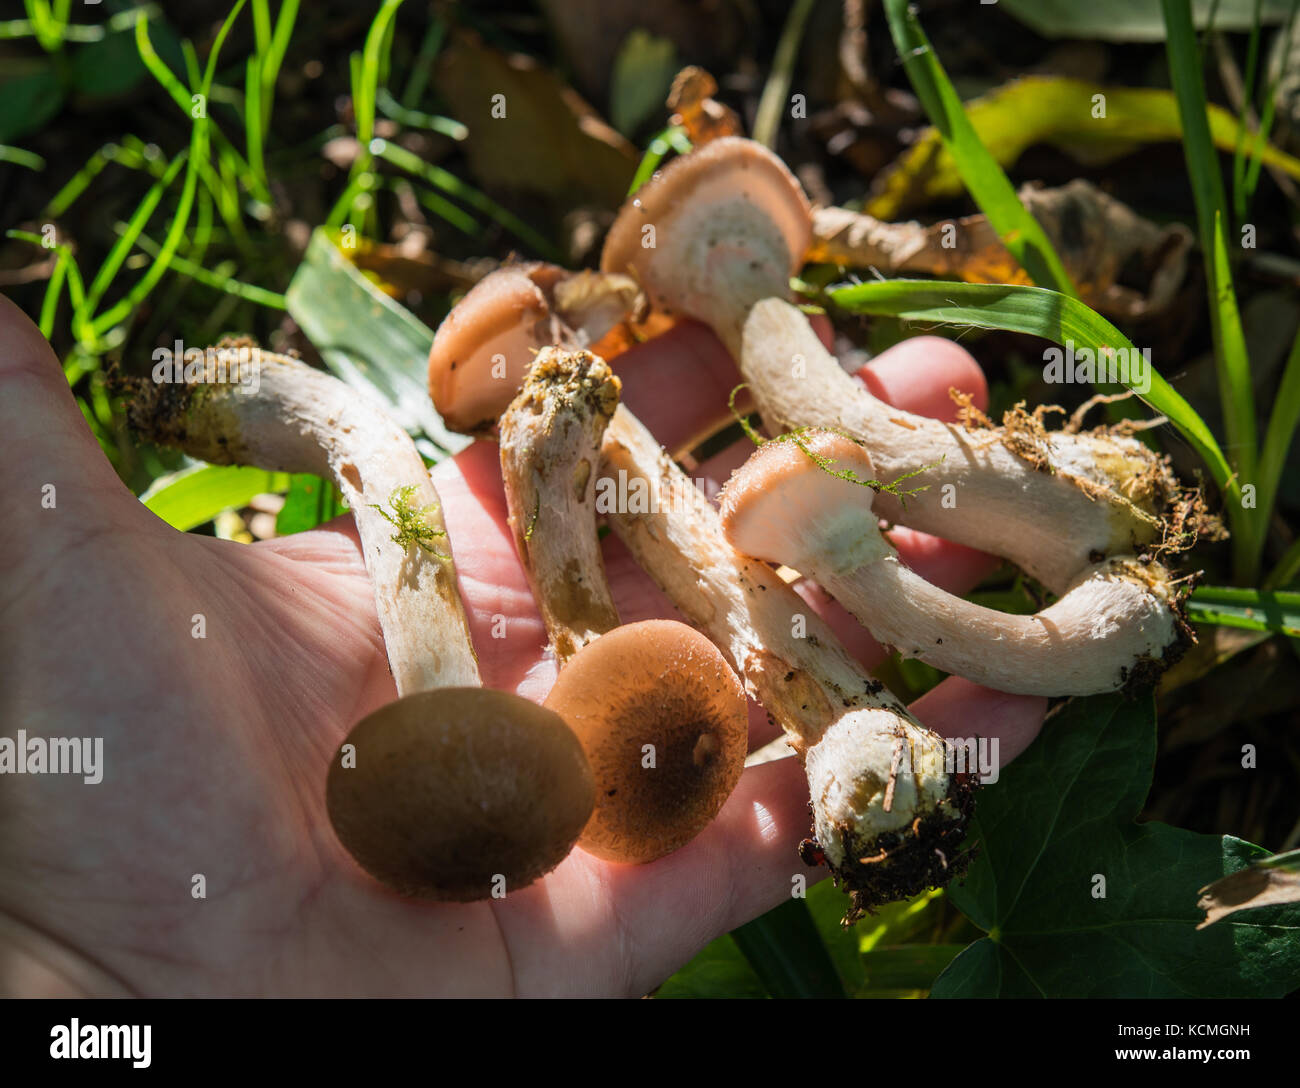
[[664, 722], [661, 715], [451, 787], [484, 347], [717, 234], [455, 789], [804, 502]]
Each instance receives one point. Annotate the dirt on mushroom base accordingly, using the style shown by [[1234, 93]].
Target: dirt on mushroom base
[[1175, 515], [927, 854]]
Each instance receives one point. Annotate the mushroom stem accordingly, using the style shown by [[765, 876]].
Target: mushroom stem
[[887, 814], [1115, 628], [252, 407], [1118, 624], [1052, 503], [550, 448], [716, 235]]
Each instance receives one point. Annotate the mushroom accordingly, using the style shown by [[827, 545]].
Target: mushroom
[[806, 503], [888, 814], [664, 721], [451, 788], [660, 714], [484, 347], [716, 236]]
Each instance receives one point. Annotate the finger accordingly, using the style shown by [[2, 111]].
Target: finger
[[594, 927], [959, 708], [917, 374], [679, 384], [57, 482]]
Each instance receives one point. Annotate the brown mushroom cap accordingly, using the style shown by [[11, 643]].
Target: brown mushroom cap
[[454, 787], [731, 201], [781, 504], [663, 684]]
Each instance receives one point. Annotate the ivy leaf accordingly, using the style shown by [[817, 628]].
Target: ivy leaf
[[1062, 816]]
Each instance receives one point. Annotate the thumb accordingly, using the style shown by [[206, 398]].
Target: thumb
[[57, 484]]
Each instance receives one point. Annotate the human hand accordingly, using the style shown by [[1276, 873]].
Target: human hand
[[215, 748]]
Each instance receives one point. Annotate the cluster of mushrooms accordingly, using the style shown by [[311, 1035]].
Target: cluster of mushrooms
[[454, 790]]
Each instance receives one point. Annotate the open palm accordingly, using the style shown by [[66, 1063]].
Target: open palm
[[215, 747]]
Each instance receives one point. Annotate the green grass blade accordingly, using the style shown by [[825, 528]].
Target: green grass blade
[[1278, 438], [422, 69], [449, 183], [1189, 90], [78, 183], [83, 33], [122, 247], [199, 150], [157, 67], [1248, 93], [1040, 312], [217, 42], [186, 267], [1019, 231], [444, 209], [262, 25], [373, 59], [1269, 111], [1250, 609], [274, 59], [194, 496], [673, 138], [53, 292], [787, 953], [1231, 361], [253, 118], [1235, 389], [19, 157], [395, 111], [772, 103]]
